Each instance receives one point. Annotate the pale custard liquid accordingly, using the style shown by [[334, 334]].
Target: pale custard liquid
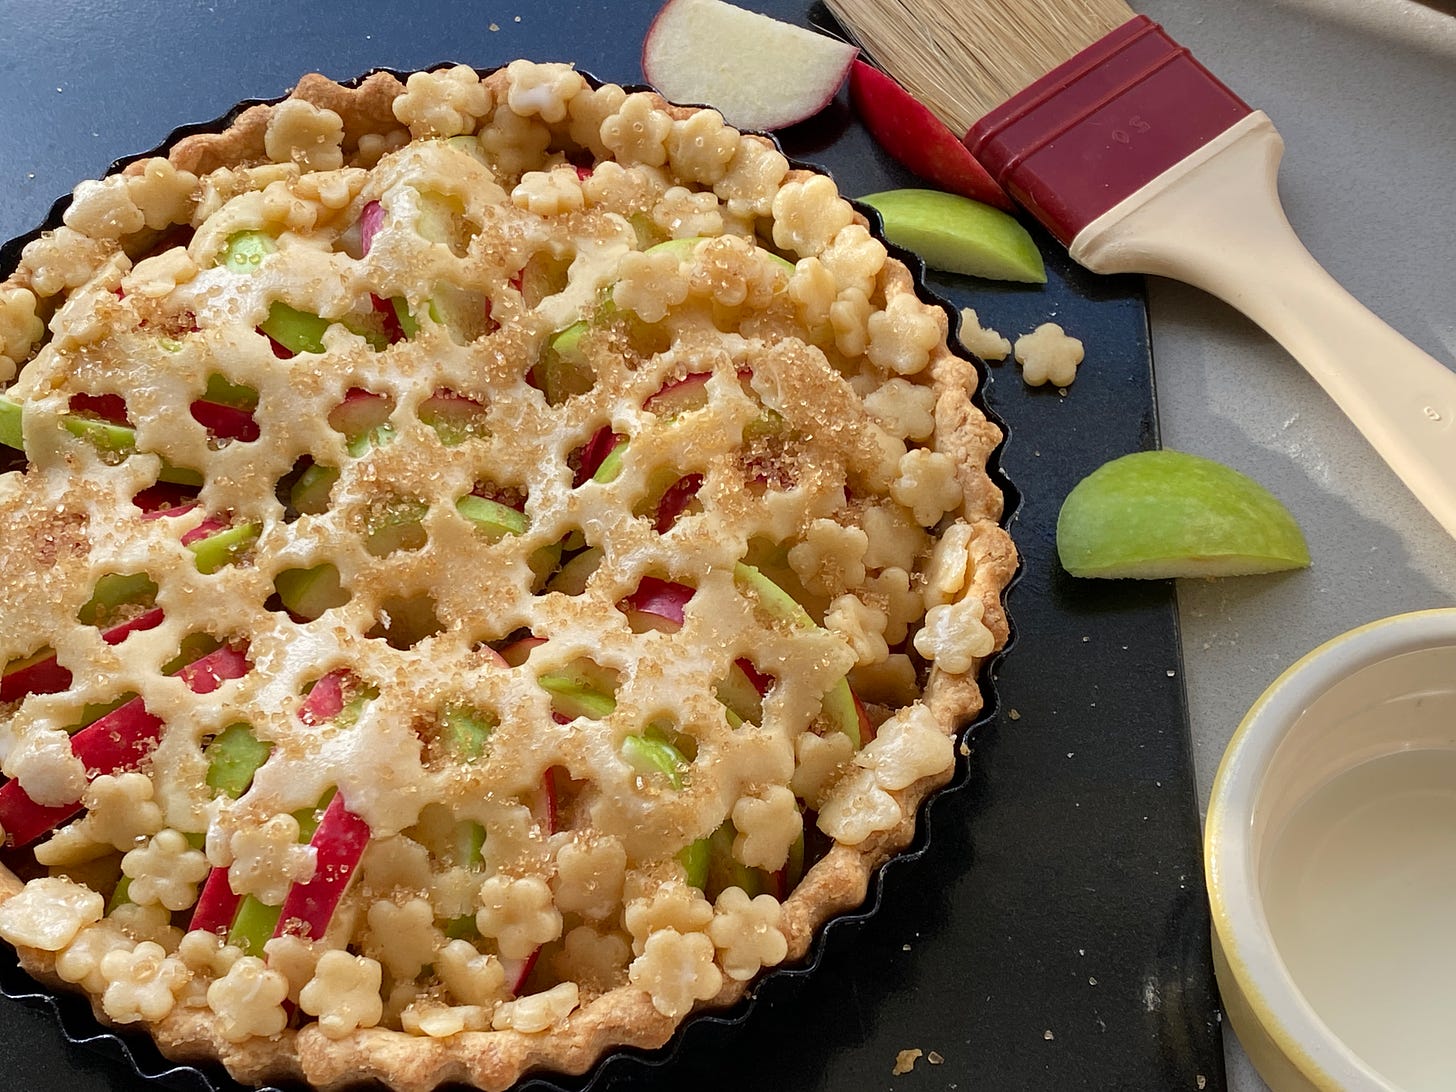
[[1360, 891]]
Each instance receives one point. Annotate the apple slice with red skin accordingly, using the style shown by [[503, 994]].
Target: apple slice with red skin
[[224, 421], [759, 72], [339, 843], [234, 756], [165, 499], [116, 743], [675, 501], [371, 219], [363, 418], [42, 674], [657, 604], [916, 138], [515, 653], [217, 904], [680, 396], [597, 457]]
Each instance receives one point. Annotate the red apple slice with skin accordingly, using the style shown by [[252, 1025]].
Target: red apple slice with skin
[[217, 904], [165, 499], [657, 604], [515, 653], [675, 501], [548, 812], [759, 73], [117, 742], [917, 139], [680, 396], [225, 422], [339, 843], [596, 452]]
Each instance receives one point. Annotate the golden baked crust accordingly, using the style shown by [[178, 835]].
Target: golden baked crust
[[623, 491]]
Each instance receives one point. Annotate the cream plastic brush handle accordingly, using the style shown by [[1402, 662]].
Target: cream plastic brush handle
[[1214, 221]]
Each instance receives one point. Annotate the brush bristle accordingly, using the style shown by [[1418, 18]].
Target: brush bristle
[[963, 58]]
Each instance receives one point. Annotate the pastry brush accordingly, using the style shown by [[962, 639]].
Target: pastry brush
[[1140, 161]]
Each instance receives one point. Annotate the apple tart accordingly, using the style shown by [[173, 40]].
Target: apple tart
[[490, 566]]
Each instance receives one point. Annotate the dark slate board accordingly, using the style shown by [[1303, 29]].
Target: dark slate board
[[1051, 933]]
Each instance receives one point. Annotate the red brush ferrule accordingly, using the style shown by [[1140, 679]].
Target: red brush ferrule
[[1098, 127]]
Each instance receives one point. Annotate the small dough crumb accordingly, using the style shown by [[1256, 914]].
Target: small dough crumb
[[1048, 354], [982, 340], [905, 1061]]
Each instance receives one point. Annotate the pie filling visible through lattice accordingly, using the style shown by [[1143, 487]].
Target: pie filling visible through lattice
[[494, 565]]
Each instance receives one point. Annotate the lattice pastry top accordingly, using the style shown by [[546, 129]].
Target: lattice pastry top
[[497, 564]]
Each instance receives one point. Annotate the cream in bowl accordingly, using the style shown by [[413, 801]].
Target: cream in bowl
[[1331, 858]]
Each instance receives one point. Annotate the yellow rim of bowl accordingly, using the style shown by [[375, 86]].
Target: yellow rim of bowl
[[1253, 959]]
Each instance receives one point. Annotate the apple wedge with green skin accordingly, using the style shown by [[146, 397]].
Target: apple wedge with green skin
[[959, 235], [492, 518], [245, 250], [572, 698], [308, 593], [684, 249], [1158, 514], [563, 370], [841, 706], [398, 526], [759, 72], [214, 543], [118, 742], [309, 495], [651, 757], [918, 139]]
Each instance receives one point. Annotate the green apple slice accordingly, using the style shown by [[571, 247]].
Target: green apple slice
[[233, 757], [683, 250], [494, 519], [11, 433], [115, 590], [1156, 514], [310, 592], [310, 493], [297, 331], [563, 370], [839, 704], [959, 235], [572, 698], [464, 732], [650, 757], [213, 552], [116, 441], [245, 250]]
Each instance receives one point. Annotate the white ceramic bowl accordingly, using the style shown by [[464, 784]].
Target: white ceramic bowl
[[1330, 850]]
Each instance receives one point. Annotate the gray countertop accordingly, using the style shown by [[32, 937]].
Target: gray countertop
[[1364, 93]]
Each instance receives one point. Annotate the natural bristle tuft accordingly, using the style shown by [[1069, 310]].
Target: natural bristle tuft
[[963, 58]]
